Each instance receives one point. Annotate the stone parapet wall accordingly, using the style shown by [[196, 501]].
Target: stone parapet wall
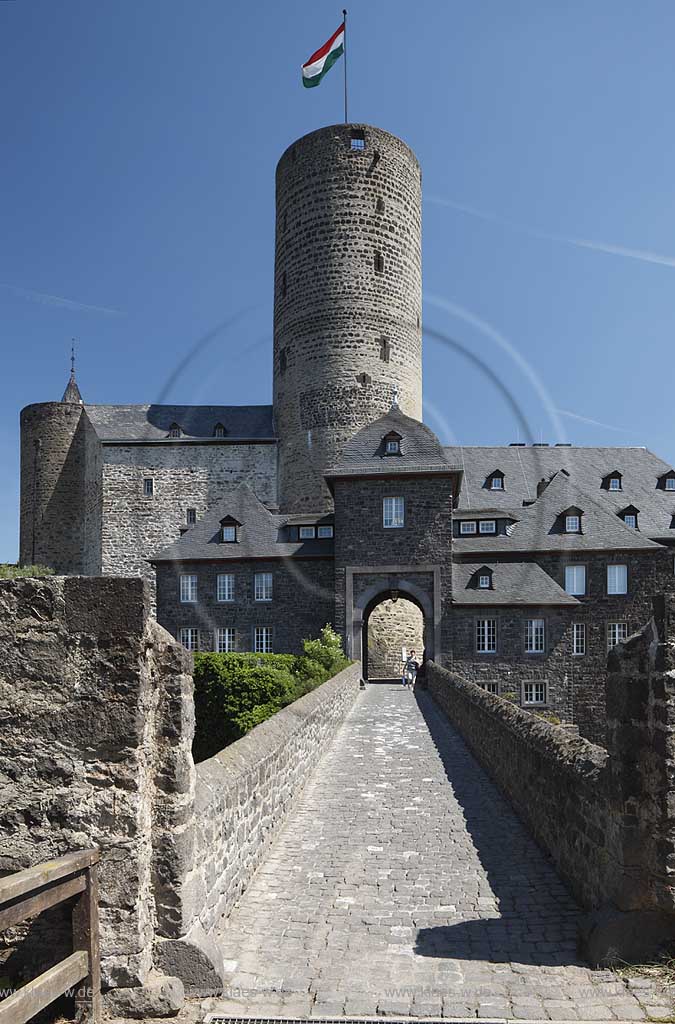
[[242, 797], [557, 782]]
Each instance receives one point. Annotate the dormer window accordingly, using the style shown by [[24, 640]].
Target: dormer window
[[630, 516], [392, 443], [485, 581], [174, 430], [219, 430], [487, 526], [228, 530], [467, 527], [572, 520], [666, 482], [495, 481], [613, 481]]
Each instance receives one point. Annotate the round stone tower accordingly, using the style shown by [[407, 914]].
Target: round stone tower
[[347, 298]]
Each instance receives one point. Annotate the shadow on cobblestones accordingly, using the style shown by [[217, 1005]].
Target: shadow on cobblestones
[[535, 917]]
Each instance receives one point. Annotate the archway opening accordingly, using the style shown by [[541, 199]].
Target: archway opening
[[391, 623]]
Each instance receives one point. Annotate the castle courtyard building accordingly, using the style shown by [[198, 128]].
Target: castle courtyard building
[[256, 525]]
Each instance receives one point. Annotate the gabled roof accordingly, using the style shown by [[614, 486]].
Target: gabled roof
[[513, 583], [539, 528], [525, 466], [153, 422], [258, 535], [364, 454]]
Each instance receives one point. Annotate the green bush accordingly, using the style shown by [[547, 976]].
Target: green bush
[[235, 692], [9, 571]]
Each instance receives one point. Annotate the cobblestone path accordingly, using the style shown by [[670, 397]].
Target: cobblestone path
[[403, 884]]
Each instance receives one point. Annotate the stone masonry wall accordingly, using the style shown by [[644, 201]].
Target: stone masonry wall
[[97, 723], [393, 625], [185, 476], [243, 795]]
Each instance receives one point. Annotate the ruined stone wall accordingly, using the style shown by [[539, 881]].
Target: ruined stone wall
[[243, 796], [347, 328], [185, 476], [393, 625], [97, 720]]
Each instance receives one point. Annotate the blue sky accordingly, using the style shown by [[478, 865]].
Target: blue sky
[[138, 153]]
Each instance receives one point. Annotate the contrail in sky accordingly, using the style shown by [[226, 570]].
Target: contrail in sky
[[644, 255], [593, 423], [59, 301]]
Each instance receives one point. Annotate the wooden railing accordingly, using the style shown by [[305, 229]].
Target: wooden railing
[[29, 892]]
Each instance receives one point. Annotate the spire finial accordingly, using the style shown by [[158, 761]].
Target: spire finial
[[394, 397], [72, 358], [72, 392]]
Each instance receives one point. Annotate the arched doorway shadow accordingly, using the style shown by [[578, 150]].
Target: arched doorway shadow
[[374, 596]]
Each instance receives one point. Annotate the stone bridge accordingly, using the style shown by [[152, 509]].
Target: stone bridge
[[360, 853]]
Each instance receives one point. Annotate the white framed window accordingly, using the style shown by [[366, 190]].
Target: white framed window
[[393, 513], [490, 687], [324, 532], [486, 636], [535, 636], [225, 586], [307, 532], [534, 692], [485, 582], [497, 483], [670, 483], [229, 534], [617, 579], [487, 526], [616, 633], [615, 483], [225, 639], [188, 588], [263, 586], [630, 519], [575, 580], [191, 516], [189, 637], [393, 448], [262, 639], [148, 487], [572, 524], [467, 527], [579, 638]]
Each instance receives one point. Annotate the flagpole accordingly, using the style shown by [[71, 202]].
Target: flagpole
[[344, 15]]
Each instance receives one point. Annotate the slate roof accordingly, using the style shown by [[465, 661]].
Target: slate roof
[[538, 528], [364, 454], [524, 467], [152, 422], [258, 536], [513, 583]]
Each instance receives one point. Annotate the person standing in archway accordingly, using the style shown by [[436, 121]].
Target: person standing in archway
[[410, 670]]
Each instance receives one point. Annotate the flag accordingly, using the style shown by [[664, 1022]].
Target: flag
[[324, 58]]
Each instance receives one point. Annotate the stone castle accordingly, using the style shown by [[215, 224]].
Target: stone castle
[[256, 525]]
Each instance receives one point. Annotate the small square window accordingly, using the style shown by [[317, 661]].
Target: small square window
[[615, 483], [148, 487], [357, 140], [188, 588], [534, 693], [579, 638], [466, 528], [229, 534], [263, 586], [393, 513], [487, 526], [484, 582], [393, 448], [630, 520], [497, 483], [191, 516], [572, 524], [307, 532], [670, 483], [324, 532]]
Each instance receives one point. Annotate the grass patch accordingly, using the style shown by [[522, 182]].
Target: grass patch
[[9, 571]]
